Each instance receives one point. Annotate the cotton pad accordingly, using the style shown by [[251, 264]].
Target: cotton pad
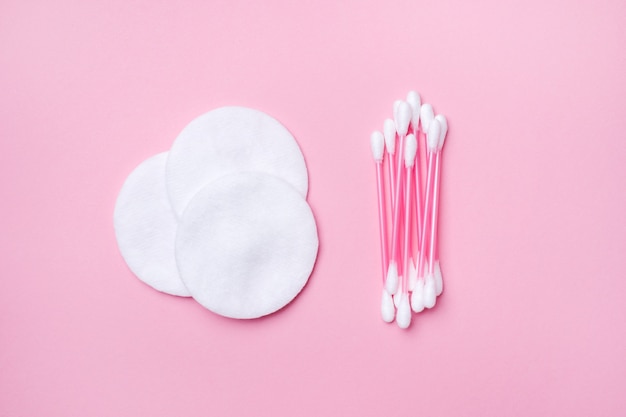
[[246, 245], [229, 140], [145, 227]]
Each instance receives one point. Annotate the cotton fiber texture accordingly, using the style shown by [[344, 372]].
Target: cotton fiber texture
[[246, 245]]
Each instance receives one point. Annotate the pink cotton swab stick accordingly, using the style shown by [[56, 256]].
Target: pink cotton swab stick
[[404, 309], [430, 292], [428, 284], [434, 268], [377, 143], [402, 126]]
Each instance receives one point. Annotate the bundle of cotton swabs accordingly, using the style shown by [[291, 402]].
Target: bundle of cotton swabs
[[411, 273]]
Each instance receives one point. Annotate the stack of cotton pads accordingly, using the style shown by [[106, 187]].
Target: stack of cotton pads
[[222, 217], [410, 147]]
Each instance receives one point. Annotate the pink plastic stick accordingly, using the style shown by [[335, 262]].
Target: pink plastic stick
[[435, 210], [419, 204], [414, 237], [382, 218], [400, 203], [407, 229], [398, 173], [420, 265], [400, 199], [395, 234], [391, 166]]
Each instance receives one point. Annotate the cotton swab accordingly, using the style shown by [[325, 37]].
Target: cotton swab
[[432, 142], [377, 143], [435, 268], [430, 290], [410, 150], [417, 296], [404, 309], [402, 125], [409, 160], [414, 100]]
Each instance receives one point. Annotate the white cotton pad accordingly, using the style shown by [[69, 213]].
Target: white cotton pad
[[246, 245], [145, 227], [229, 140]]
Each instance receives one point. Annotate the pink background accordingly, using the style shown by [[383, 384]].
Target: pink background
[[533, 226]]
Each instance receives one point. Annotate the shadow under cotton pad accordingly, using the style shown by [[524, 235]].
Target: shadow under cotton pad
[[145, 227], [228, 140], [246, 245]]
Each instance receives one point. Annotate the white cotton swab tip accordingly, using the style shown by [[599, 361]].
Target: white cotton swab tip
[[430, 292], [432, 138], [404, 312], [443, 125], [396, 106], [377, 141], [397, 297], [389, 131], [387, 309], [417, 296], [414, 100], [410, 149], [438, 279], [403, 118], [391, 283], [427, 114]]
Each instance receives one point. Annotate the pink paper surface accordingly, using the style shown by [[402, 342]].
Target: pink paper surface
[[532, 230]]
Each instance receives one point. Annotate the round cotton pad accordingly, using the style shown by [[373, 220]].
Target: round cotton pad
[[246, 245], [145, 227], [229, 140]]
